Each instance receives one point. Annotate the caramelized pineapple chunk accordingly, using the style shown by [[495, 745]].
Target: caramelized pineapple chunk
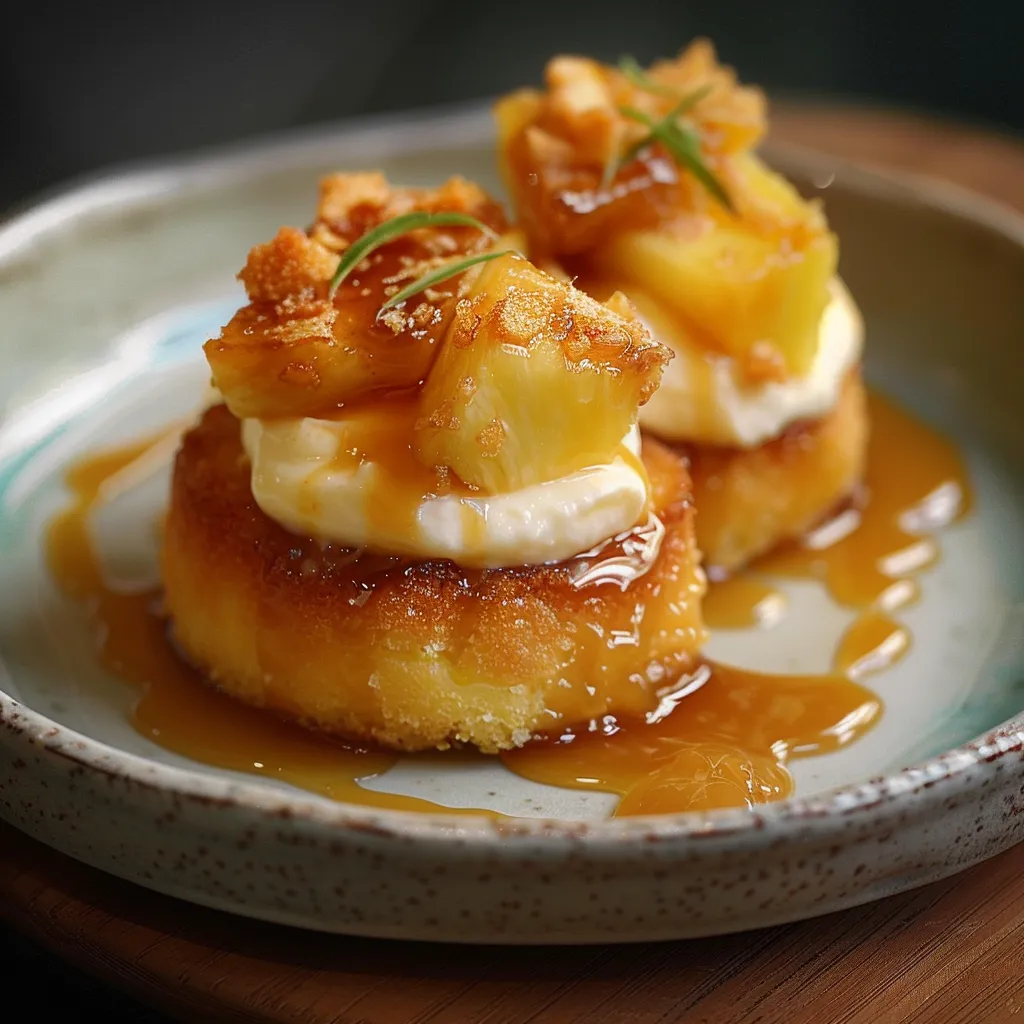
[[556, 147], [534, 380], [751, 279], [751, 294], [293, 351]]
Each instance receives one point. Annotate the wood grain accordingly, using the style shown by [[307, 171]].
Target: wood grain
[[951, 952]]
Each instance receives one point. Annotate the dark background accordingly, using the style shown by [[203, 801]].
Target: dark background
[[87, 85]]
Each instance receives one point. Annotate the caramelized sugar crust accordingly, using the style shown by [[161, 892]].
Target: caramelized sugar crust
[[293, 351], [417, 655], [557, 145], [749, 501]]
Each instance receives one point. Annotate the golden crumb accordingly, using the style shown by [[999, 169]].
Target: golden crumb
[[352, 204], [289, 265], [342, 193]]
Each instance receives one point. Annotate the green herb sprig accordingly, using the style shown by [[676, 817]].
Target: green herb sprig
[[440, 274], [642, 80], [395, 228], [684, 145], [682, 142]]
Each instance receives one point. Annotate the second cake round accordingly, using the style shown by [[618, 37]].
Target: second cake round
[[751, 500]]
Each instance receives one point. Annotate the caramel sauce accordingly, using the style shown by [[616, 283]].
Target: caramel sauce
[[873, 642], [383, 433], [742, 602], [719, 737], [424, 318], [576, 214], [176, 708], [720, 740], [733, 731], [915, 484], [620, 560]]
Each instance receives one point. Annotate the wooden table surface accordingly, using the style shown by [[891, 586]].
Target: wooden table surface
[[950, 952]]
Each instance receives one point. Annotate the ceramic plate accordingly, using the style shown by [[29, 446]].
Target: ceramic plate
[[107, 292]]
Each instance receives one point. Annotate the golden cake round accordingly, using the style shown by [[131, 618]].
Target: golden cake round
[[750, 500], [416, 655]]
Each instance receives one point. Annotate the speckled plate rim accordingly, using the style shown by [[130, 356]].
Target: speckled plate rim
[[917, 789]]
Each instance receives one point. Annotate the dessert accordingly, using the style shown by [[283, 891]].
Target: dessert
[[418, 511], [421, 514], [648, 182]]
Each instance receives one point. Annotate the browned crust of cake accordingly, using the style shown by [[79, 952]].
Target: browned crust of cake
[[414, 655]]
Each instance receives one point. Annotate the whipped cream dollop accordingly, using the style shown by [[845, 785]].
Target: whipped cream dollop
[[304, 477], [705, 399]]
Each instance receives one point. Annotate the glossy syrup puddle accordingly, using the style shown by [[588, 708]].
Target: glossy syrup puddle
[[721, 738], [176, 709], [729, 740], [915, 484]]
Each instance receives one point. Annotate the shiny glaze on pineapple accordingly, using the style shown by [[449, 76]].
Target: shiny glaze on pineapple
[[720, 737]]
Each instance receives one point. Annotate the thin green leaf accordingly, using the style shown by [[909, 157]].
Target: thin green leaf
[[683, 144], [689, 101], [614, 164], [685, 148], [642, 80], [439, 275], [638, 115], [684, 106], [395, 228]]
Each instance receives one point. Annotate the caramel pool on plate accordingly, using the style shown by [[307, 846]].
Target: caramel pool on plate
[[915, 484]]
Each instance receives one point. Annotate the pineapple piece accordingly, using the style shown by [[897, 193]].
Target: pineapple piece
[[293, 351], [513, 114], [560, 149], [707, 230], [754, 286], [534, 380]]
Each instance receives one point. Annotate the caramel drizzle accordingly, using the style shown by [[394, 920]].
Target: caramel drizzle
[[721, 737]]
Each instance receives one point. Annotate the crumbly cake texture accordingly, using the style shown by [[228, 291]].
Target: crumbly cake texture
[[416, 655], [750, 500]]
